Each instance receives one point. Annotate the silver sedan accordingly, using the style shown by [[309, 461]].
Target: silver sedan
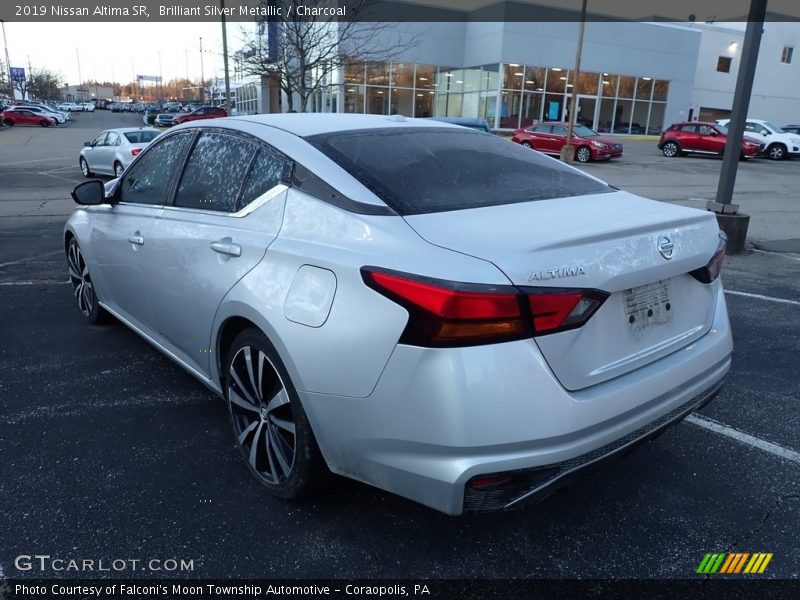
[[112, 151], [417, 305]]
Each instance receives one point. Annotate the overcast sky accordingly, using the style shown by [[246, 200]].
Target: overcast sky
[[119, 51]]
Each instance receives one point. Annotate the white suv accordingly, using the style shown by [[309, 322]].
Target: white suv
[[778, 144]]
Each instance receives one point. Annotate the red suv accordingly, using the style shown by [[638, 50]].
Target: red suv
[[551, 137], [26, 117], [204, 112], [703, 138]]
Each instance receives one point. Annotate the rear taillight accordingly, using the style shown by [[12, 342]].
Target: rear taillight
[[447, 314], [712, 270], [135, 151]]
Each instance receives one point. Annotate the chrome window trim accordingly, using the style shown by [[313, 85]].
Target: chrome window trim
[[270, 194]]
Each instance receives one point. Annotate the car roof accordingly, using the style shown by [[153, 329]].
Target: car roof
[[308, 124], [129, 129]]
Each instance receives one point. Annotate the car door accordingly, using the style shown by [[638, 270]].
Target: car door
[[94, 153], [113, 142], [119, 234], [209, 238], [540, 137], [558, 139], [756, 131], [709, 139], [689, 139]]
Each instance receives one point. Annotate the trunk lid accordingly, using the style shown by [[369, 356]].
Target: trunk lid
[[610, 242]]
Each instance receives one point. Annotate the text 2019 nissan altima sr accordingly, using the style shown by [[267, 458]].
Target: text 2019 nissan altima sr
[[422, 307]]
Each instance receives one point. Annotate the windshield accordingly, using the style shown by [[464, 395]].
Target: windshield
[[141, 137], [775, 128], [722, 129], [583, 131], [427, 170]]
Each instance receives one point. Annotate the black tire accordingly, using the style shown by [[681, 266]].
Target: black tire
[[527, 144], [45, 123], [85, 168], [83, 289], [118, 169], [8, 122], [776, 152], [583, 154], [269, 424], [671, 149]]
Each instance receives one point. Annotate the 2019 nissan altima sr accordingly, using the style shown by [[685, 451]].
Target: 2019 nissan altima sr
[[416, 305]]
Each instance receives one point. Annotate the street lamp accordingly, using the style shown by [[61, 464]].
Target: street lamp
[[568, 151]]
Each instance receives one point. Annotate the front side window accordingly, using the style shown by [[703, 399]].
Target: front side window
[[541, 129], [147, 180], [214, 172], [435, 170], [100, 140]]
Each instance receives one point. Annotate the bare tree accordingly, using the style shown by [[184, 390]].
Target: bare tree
[[5, 83], [305, 53], [43, 83]]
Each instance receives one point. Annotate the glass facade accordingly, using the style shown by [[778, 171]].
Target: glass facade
[[508, 96]]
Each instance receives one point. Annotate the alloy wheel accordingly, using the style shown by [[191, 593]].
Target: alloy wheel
[[85, 168], [262, 416], [583, 155], [82, 287], [670, 149], [118, 169], [527, 144], [776, 152]]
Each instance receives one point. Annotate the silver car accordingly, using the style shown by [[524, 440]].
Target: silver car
[[419, 306], [113, 150]]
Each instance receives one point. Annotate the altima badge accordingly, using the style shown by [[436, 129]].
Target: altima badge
[[665, 247], [556, 273]]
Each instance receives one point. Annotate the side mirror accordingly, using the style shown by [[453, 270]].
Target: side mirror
[[89, 193], [765, 132], [88, 144]]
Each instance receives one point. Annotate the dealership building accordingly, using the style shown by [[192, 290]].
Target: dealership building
[[635, 77]]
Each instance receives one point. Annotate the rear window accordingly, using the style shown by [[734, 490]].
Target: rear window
[[417, 171], [141, 137]]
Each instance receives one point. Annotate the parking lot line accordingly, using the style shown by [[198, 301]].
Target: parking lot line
[[35, 160], [783, 254], [758, 297], [27, 258], [744, 438], [50, 282]]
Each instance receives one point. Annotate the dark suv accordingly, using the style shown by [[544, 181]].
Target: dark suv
[[703, 138]]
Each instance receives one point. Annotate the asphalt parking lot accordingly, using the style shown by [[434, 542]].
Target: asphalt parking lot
[[109, 450]]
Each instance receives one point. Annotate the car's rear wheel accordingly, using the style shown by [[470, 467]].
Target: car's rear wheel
[[118, 169], [82, 286], [527, 144], [671, 149], [8, 122], [269, 423], [583, 154], [85, 168], [776, 151]]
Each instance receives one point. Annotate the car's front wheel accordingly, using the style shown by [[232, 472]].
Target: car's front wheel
[[85, 168], [527, 144], [82, 285], [583, 154], [671, 149], [44, 123], [8, 122], [776, 151], [269, 423]]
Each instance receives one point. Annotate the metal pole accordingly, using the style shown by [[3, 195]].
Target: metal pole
[[202, 75], [225, 60], [160, 78], [741, 104], [80, 77], [8, 60], [568, 151]]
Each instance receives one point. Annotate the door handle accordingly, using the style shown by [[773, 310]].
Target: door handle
[[227, 247], [136, 239]]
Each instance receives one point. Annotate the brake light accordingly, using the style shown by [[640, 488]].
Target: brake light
[[135, 151], [712, 270], [447, 314]]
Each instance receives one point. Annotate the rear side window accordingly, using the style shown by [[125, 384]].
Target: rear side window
[[141, 137], [267, 172], [148, 178], [427, 170], [214, 172]]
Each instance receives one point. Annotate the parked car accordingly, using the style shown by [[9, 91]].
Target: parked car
[[703, 138], [69, 107], [204, 112], [791, 129], [87, 106], [479, 124], [40, 110], [172, 107], [550, 137], [117, 107], [23, 116], [438, 312], [113, 150], [778, 143], [165, 120]]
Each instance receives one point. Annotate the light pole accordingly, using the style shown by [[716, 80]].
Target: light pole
[[8, 60], [225, 60], [80, 77], [202, 74], [568, 151]]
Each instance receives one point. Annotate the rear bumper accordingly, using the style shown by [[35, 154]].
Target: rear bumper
[[438, 418]]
